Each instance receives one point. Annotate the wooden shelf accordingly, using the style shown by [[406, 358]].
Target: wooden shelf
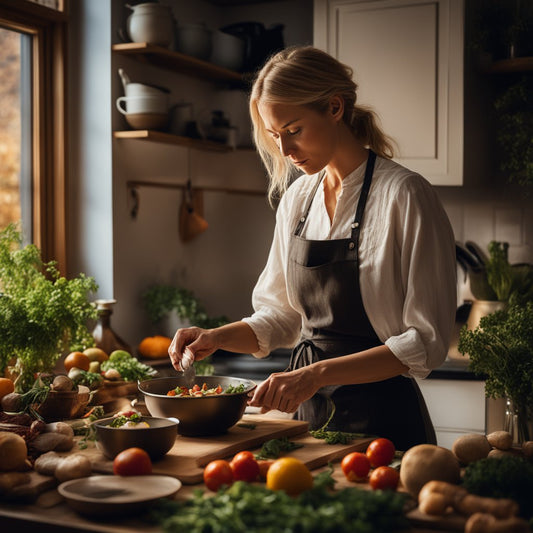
[[505, 66], [169, 138], [184, 64]]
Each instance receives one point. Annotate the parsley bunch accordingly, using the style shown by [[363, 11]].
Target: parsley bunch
[[43, 314], [502, 349]]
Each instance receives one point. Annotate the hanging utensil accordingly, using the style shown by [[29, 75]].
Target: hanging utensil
[[477, 252], [191, 221]]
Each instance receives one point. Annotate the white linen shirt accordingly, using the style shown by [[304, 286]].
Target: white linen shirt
[[407, 268]]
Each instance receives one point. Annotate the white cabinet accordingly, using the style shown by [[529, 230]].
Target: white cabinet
[[456, 407], [407, 57]]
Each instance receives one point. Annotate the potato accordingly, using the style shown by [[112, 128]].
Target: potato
[[502, 440], [427, 462], [527, 449], [471, 447], [47, 463], [13, 451], [73, 467]]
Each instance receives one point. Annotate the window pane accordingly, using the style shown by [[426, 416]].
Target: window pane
[[15, 129]]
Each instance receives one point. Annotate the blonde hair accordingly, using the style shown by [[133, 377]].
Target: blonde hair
[[307, 76]]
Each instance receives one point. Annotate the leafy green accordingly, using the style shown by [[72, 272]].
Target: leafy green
[[501, 348], [335, 437], [119, 421], [499, 271], [504, 477], [251, 508], [129, 368], [159, 300], [43, 313], [231, 389], [89, 379], [272, 449]]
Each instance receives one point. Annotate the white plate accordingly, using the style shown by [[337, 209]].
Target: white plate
[[112, 495]]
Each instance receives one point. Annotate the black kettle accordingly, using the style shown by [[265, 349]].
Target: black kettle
[[260, 42]]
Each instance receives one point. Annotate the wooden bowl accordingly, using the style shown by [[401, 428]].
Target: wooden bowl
[[60, 405]]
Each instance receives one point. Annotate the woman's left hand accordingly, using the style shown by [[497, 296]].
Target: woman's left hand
[[284, 391]]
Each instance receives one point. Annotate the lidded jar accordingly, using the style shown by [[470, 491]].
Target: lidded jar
[[151, 23], [104, 336]]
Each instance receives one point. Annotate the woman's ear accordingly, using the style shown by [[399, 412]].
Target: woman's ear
[[336, 107]]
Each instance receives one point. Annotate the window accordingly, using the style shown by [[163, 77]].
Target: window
[[32, 122]]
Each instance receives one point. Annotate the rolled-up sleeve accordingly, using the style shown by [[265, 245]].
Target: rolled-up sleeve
[[426, 269]]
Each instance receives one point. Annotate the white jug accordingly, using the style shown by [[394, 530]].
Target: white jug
[[150, 23]]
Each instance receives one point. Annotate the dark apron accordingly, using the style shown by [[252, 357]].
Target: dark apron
[[323, 276]]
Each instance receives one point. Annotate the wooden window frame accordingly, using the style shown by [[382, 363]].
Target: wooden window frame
[[48, 29]]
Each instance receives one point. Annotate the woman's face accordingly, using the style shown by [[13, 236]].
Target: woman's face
[[307, 137]]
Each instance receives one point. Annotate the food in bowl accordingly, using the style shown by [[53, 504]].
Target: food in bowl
[[204, 390], [129, 420], [198, 416], [153, 434]]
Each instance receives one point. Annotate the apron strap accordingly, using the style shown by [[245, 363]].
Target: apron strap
[[357, 223]]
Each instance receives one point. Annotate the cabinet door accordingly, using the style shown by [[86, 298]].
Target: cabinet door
[[407, 57]]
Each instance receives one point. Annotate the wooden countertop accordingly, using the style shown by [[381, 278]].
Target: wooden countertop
[[49, 512]]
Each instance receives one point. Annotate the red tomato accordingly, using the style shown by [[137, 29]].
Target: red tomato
[[217, 474], [245, 467], [384, 477], [355, 466], [132, 462], [380, 452]]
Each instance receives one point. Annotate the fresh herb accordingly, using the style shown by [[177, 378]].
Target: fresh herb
[[504, 477], [43, 314], [89, 379], [86, 428], [160, 300], [324, 479], [129, 368], [335, 437], [119, 421], [272, 449], [30, 400], [252, 508], [501, 349], [234, 389]]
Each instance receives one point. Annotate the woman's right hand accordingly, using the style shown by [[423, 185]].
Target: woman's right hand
[[199, 342]]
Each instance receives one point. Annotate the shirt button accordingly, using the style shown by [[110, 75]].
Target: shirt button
[[351, 246], [355, 225], [302, 219]]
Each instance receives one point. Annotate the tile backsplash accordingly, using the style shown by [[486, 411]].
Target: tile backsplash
[[490, 214]]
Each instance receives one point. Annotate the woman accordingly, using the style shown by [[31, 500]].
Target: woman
[[360, 279]]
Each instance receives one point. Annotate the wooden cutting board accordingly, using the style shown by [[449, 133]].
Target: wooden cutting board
[[189, 455]]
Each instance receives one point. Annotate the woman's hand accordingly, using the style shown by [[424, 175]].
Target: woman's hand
[[199, 342], [284, 391]]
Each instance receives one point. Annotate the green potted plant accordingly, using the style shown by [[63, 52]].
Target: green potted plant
[[501, 349], [170, 307], [43, 314]]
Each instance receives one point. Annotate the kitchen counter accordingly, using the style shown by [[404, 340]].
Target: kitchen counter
[[50, 512]]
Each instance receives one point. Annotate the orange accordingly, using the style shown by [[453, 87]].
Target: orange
[[77, 360], [289, 474], [6, 387], [155, 347]]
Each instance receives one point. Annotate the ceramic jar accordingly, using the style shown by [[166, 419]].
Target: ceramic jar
[[151, 23]]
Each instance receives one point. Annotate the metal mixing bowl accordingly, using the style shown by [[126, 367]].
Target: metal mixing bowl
[[156, 440], [199, 415]]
